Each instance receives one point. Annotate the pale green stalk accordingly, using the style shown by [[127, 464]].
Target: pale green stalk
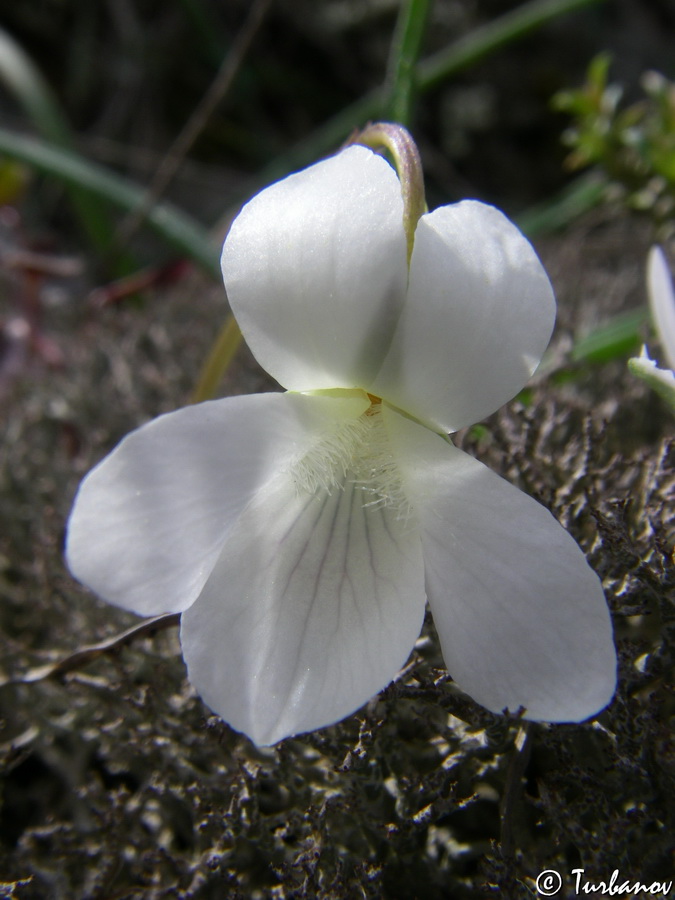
[[217, 362]]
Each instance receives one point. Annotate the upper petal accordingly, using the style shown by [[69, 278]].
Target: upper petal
[[521, 616], [315, 271], [479, 315], [314, 605], [149, 522]]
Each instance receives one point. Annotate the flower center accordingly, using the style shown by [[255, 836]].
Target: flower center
[[358, 451]]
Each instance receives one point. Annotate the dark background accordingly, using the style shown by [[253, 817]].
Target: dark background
[[116, 781]]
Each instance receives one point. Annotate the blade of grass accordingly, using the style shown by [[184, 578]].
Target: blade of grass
[[575, 199], [492, 36], [616, 338], [215, 94], [177, 228], [33, 93], [459, 56], [405, 51]]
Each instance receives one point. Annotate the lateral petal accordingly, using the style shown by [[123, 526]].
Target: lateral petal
[[479, 314], [521, 616], [149, 522], [315, 271], [315, 603]]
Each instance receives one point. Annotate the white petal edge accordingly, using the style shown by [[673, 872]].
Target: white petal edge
[[478, 317], [521, 616], [660, 380], [662, 301], [149, 522], [315, 271], [314, 605]]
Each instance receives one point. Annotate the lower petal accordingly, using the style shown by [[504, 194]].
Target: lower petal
[[314, 604], [521, 616]]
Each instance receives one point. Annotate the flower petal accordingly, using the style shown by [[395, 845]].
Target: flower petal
[[662, 301], [315, 271], [314, 605], [521, 616], [150, 521], [479, 315]]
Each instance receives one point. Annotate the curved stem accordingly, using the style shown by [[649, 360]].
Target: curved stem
[[398, 141]]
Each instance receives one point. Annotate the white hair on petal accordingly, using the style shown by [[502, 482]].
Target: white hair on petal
[[358, 451]]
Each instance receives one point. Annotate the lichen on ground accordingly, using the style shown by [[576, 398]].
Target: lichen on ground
[[117, 782]]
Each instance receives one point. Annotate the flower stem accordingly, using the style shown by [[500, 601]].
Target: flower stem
[[219, 358], [398, 141]]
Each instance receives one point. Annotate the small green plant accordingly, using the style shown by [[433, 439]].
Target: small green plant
[[634, 145]]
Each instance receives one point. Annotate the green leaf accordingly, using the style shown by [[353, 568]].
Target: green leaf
[[29, 88], [574, 200], [175, 227], [613, 340], [405, 51]]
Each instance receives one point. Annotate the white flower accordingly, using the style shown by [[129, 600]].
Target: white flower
[[662, 307], [301, 533]]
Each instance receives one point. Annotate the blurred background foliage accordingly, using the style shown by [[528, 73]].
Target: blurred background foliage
[[131, 131], [634, 145], [125, 77]]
